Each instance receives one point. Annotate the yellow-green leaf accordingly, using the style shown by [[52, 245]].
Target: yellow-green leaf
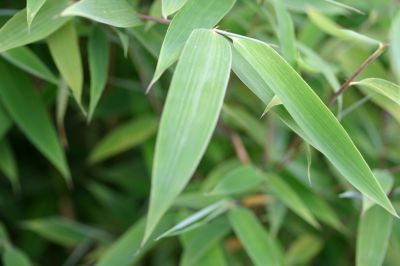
[[32, 8], [381, 86], [394, 46], [169, 7], [190, 115], [117, 13], [64, 48], [14, 257], [313, 117]]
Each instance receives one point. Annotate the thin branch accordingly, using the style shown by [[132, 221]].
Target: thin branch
[[155, 19]]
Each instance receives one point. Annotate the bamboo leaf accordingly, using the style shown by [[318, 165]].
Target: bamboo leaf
[[215, 256], [15, 257], [313, 117], [386, 180], [381, 86], [290, 198], [64, 48], [373, 235], [98, 52], [8, 164], [117, 13], [195, 14], [305, 248], [30, 116], [169, 7], [15, 32], [25, 59], [394, 44], [258, 243], [190, 115], [32, 8], [239, 180], [5, 121], [123, 138]]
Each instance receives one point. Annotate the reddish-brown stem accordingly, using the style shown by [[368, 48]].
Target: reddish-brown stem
[[154, 19]]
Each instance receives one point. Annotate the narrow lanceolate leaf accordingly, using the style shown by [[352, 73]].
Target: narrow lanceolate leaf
[[190, 115], [15, 32], [13, 256], [169, 7], [98, 50], [258, 243], [32, 8], [27, 60], [303, 250], [195, 14], [117, 13], [5, 121], [381, 86], [394, 44], [373, 237], [330, 27], [285, 32], [290, 198], [123, 138], [8, 163], [64, 48], [30, 116], [239, 180], [313, 117]]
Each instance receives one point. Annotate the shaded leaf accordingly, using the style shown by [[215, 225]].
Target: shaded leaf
[[64, 48], [15, 32], [117, 13], [15, 257], [5, 121], [190, 115], [31, 116], [8, 163], [304, 249], [195, 14], [261, 247]]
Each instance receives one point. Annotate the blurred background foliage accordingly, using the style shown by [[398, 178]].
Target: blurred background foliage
[[98, 219]]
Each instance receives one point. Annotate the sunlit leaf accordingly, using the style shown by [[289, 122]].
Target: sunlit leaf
[[381, 86], [190, 115], [32, 8], [395, 42]]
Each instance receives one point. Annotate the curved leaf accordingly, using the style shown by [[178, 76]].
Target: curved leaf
[[381, 86], [32, 8], [169, 7]]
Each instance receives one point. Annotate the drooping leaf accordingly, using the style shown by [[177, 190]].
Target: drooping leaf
[[381, 86], [394, 44], [123, 138], [190, 115], [14, 257], [25, 59], [117, 13], [373, 235], [64, 48], [30, 116], [239, 180], [258, 243], [169, 7], [98, 52], [8, 163], [32, 8], [313, 117], [290, 198], [195, 14], [15, 32], [330, 27]]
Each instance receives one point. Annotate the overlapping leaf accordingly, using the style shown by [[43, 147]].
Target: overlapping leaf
[[381, 86], [394, 44], [189, 118], [32, 8], [171, 6]]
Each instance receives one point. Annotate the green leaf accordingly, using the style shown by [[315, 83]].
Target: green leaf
[[386, 180], [15, 32], [117, 13], [98, 52], [64, 48], [214, 256], [239, 180], [258, 243], [290, 198], [14, 257], [190, 115], [25, 59], [32, 8], [373, 235], [64, 231], [195, 14], [381, 86], [31, 116], [124, 138], [316, 121], [394, 44], [330, 27], [169, 7], [285, 32], [304, 249], [8, 163], [5, 121]]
